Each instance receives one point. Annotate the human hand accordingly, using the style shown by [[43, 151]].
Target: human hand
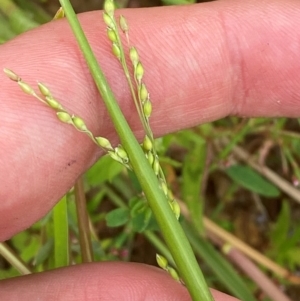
[[202, 62]]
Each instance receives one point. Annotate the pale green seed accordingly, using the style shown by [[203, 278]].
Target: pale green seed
[[109, 7], [147, 144], [54, 104], [156, 166], [59, 14], [103, 142], [124, 27], [11, 75], [116, 51], [161, 261], [122, 154], [144, 95], [79, 123], [134, 56], [170, 195], [26, 88], [139, 72], [176, 209], [112, 35], [150, 158], [173, 273], [164, 187], [123, 24], [64, 117], [147, 108], [114, 156], [108, 21], [44, 90]]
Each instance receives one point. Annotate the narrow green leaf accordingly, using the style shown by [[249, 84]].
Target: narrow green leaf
[[192, 173], [250, 179], [61, 233], [219, 265], [44, 252]]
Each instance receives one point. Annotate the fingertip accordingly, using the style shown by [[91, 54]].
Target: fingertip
[[104, 281]]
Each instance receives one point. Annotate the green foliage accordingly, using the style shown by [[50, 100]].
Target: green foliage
[[138, 216], [44, 252], [250, 179], [117, 217], [107, 185], [192, 176], [285, 239], [222, 269], [104, 170]]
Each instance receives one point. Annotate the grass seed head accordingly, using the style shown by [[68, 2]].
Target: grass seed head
[[147, 108], [109, 7], [115, 157], [104, 143], [139, 72], [54, 104], [64, 117], [170, 195], [11, 75], [116, 51], [175, 208], [123, 24], [156, 166], [122, 154], [164, 187], [162, 261], [59, 14], [26, 88], [144, 95], [111, 33], [79, 123], [173, 273], [150, 158], [134, 56], [44, 90], [109, 21], [147, 144]]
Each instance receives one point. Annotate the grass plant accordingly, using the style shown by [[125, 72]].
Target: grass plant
[[236, 164]]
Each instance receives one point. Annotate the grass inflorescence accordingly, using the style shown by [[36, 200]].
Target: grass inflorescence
[[156, 190]]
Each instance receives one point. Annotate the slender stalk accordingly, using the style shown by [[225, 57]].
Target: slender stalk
[[160, 246], [83, 223], [173, 234], [61, 233], [14, 259]]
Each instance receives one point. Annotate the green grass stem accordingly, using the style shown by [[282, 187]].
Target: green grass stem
[[14, 259], [173, 234], [83, 223], [61, 234]]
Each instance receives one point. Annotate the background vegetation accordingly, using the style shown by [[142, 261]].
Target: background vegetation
[[236, 181]]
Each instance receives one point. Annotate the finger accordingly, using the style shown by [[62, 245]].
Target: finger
[[202, 62], [99, 281]]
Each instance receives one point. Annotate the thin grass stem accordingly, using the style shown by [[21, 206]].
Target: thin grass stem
[[61, 233], [83, 223], [173, 234], [14, 259]]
